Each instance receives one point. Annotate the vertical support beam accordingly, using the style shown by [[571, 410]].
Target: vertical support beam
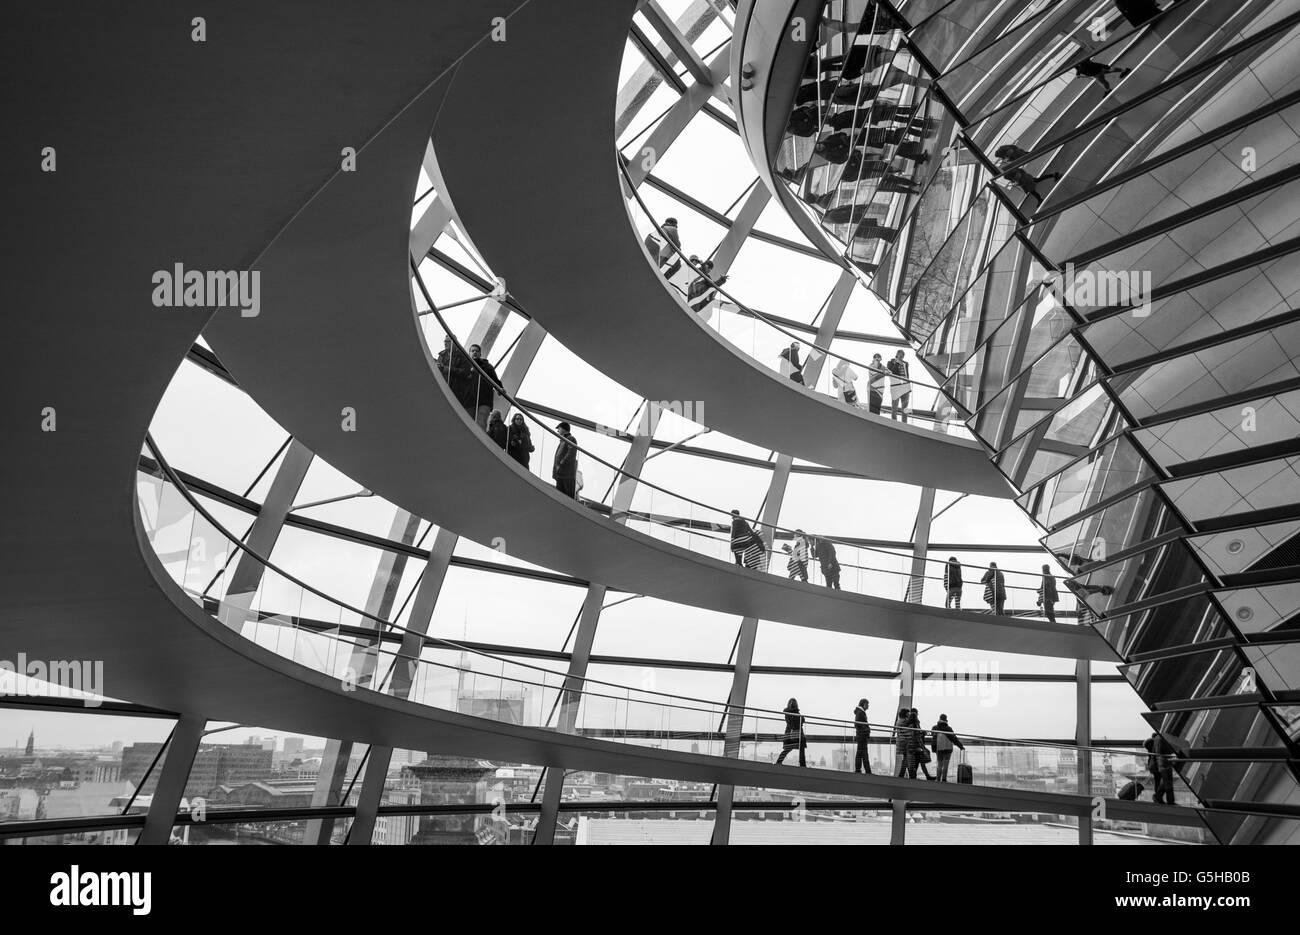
[[907, 656], [589, 619], [167, 795], [1083, 739], [487, 327], [364, 660], [907, 668], [738, 697]]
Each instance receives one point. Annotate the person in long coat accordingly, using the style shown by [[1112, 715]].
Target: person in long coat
[[995, 588], [904, 745], [519, 440], [794, 736], [745, 543], [952, 583], [1047, 594]]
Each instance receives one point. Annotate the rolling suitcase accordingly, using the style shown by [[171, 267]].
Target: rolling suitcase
[[965, 774]]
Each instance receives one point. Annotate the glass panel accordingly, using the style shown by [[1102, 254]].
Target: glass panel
[[1189, 678], [1178, 623], [1141, 577], [1096, 477], [1262, 486], [1214, 728]]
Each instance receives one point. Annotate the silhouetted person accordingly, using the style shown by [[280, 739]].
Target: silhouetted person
[[900, 387], [791, 366], [1098, 72], [904, 746], [794, 738], [1130, 791], [705, 287], [804, 121], [1160, 765], [862, 734], [918, 735], [829, 562], [459, 374], [564, 470], [746, 545], [1138, 12], [486, 385], [843, 379], [1009, 153], [797, 565], [658, 248], [496, 428], [952, 583], [519, 440], [995, 588], [943, 740], [877, 377], [1047, 596]]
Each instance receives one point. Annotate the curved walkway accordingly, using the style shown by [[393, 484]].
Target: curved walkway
[[337, 358], [545, 207]]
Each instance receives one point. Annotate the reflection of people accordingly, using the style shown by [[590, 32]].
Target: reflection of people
[[1160, 765], [1009, 153], [1098, 72]]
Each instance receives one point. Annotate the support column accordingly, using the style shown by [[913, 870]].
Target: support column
[[907, 656], [167, 795], [738, 697], [486, 329], [585, 637], [373, 782], [363, 664], [1083, 739]]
